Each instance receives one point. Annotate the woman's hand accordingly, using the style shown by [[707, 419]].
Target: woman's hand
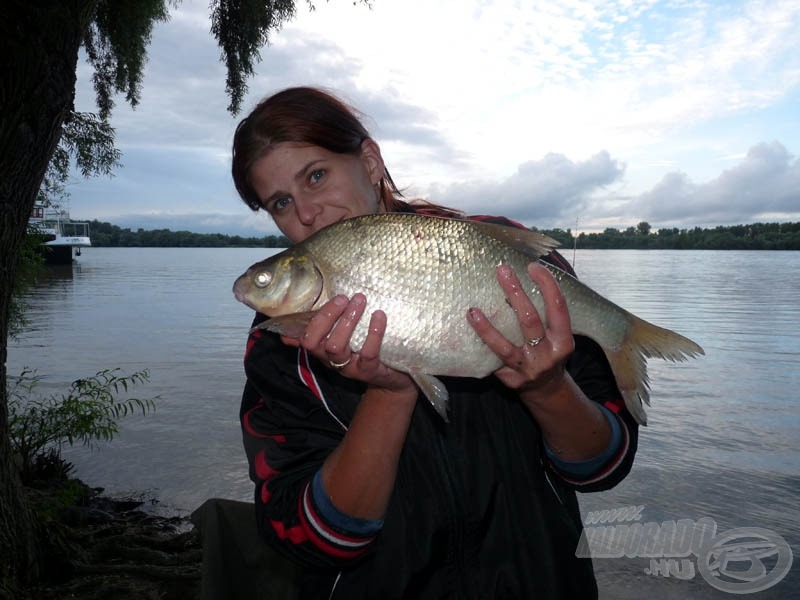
[[359, 475], [328, 338], [572, 425], [537, 367]]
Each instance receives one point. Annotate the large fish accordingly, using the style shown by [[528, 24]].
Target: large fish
[[425, 273]]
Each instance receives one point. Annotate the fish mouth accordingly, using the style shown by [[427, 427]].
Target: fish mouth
[[240, 288]]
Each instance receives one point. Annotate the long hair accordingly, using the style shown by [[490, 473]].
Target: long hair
[[306, 115]]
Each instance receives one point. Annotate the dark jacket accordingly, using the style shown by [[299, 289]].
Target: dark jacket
[[478, 511]]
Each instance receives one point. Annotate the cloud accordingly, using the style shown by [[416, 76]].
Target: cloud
[[664, 89], [765, 184], [545, 193], [555, 190], [393, 120]]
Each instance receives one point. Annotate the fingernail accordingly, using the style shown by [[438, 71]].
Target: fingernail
[[473, 314], [340, 300]]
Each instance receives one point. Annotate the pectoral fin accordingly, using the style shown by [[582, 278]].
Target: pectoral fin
[[434, 391], [292, 326]]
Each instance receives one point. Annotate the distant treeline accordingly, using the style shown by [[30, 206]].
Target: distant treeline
[[108, 235], [758, 236]]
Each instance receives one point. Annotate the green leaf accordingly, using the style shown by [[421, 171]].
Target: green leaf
[[89, 412]]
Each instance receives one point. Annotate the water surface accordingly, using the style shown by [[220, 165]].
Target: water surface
[[723, 439]]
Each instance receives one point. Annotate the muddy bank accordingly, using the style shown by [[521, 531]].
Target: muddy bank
[[96, 547]]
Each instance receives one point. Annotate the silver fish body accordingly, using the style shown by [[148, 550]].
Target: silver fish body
[[425, 273]]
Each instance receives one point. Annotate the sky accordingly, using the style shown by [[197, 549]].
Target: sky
[[574, 114]]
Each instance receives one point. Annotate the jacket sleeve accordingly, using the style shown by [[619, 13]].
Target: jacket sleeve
[[289, 428], [590, 370]]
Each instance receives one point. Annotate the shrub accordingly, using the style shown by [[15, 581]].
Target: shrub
[[87, 413]]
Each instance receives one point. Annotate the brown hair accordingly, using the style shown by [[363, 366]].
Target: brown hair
[[311, 116]]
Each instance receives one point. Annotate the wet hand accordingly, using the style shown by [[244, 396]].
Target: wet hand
[[328, 334], [535, 369]]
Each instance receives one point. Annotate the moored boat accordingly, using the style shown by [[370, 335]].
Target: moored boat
[[62, 237]]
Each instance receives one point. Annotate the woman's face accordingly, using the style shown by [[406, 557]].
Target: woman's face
[[304, 187]]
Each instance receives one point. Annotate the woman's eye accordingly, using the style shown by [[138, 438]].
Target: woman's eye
[[280, 204], [316, 175]]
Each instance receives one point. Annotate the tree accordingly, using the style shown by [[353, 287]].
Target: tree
[[39, 44]]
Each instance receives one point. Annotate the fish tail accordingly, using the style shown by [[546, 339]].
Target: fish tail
[[629, 361]]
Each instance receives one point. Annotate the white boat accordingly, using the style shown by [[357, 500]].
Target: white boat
[[63, 238]]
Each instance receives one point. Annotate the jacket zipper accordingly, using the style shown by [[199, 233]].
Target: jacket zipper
[[550, 483], [455, 512], [333, 587]]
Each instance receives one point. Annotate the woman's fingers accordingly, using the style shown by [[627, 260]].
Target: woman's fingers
[[497, 343], [547, 339], [320, 326], [369, 355], [559, 327], [530, 323], [337, 344]]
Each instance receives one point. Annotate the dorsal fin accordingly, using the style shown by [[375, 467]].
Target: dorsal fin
[[531, 243]]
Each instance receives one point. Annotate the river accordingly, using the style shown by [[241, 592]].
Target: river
[[723, 441]]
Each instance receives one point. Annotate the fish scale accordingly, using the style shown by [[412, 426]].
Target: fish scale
[[425, 273], [424, 330]]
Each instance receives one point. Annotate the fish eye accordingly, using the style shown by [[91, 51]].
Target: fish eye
[[262, 279]]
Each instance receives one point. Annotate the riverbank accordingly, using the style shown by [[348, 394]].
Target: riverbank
[[96, 547]]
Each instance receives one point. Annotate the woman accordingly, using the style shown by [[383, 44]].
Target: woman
[[364, 486]]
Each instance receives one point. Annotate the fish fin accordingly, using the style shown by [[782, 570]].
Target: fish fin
[[628, 362], [531, 243], [630, 371], [434, 391], [291, 326]]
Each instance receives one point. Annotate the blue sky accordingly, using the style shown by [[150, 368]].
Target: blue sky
[[681, 113]]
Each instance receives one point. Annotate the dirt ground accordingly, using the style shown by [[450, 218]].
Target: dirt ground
[[98, 548]]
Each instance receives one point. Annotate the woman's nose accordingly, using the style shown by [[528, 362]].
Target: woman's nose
[[307, 210]]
